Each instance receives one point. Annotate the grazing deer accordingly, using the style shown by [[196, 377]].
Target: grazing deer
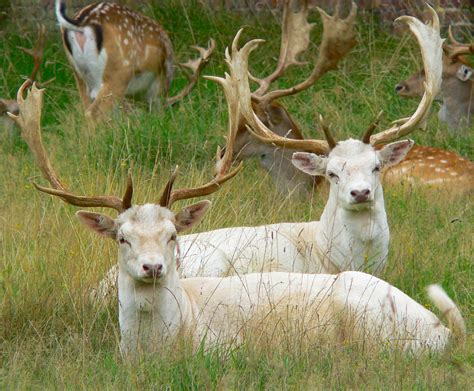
[[117, 52], [353, 232], [156, 307], [457, 90], [423, 165]]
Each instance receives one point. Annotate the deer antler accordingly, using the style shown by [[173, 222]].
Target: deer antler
[[36, 53], [28, 120], [431, 46], [196, 66], [337, 41], [295, 38], [237, 61], [456, 48], [223, 160]]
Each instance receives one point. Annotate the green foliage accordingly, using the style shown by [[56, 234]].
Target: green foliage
[[54, 338]]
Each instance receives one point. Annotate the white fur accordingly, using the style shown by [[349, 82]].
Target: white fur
[[88, 63], [350, 306], [349, 236]]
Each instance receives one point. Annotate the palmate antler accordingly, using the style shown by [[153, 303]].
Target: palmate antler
[[29, 119], [431, 47], [337, 41], [196, 66]]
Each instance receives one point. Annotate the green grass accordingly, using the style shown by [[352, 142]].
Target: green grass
[[52, 336]]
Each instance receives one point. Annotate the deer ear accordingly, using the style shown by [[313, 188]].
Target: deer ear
[[191, 215], [395, 152], [310, 163], [99, 223]]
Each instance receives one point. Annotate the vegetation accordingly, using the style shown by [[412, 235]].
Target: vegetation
[[53, 337]]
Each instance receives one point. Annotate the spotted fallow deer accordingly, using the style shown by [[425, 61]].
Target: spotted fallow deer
[[457, 90], [117, 52], [353, 232], [423, 166], [156, 307]]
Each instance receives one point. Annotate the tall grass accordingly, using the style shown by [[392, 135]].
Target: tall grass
[[53, 337]]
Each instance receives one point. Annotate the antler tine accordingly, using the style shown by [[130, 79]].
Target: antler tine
[[451, 37], [196, 66], [237, 62], [457, 48], [28, 120], [36, 53], [327, 132], [337, 41], [295, 38], [368, 133], [166, 195], [430, 44]]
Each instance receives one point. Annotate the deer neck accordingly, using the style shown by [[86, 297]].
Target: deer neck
[[458, 103], [150, 314], [353, 240]]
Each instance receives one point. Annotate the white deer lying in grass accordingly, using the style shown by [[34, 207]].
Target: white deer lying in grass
[[156, 307], [353, 232]]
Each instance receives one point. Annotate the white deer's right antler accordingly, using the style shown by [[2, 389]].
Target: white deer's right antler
[[431, 46]]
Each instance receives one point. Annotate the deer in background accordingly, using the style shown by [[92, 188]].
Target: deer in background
[[426, 166], [117, 52], [457, 90], [156, 307]]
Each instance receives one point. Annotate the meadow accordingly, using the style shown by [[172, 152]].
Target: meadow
[[54, 337]]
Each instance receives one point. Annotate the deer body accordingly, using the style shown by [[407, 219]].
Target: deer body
[[156, 307], [116, 52], [347, 237], [353, 234]]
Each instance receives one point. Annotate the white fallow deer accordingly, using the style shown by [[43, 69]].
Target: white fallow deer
[[117, 52], [424, 166], [457, 89], [353, 232], [157, 308]]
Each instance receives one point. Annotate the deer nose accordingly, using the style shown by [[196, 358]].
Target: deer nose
[[152, 270], [360, 195], [399, 88]]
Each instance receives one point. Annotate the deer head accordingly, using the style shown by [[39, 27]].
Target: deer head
[[457, 89]]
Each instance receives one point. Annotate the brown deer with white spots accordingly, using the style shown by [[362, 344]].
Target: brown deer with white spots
[[117, 52], [434, 168], [457, 91], [442, 170]]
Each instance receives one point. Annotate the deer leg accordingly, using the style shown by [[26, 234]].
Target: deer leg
[[81, 86], [109, 93], [156, 94]]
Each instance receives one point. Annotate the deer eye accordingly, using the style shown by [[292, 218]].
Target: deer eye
[[376, 169], [122, 240], [332, 175]]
